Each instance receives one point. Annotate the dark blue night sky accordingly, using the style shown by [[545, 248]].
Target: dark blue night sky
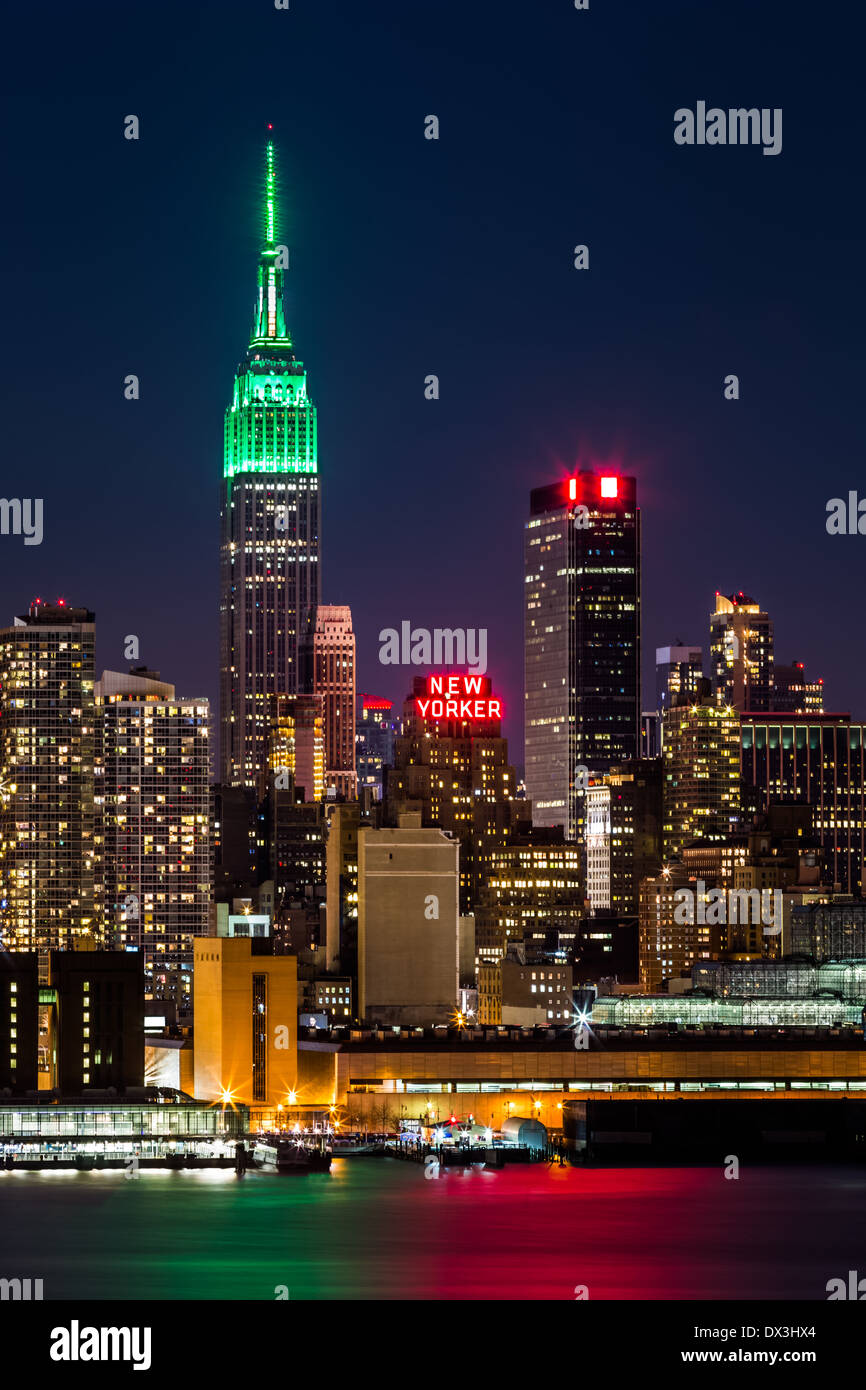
[[454, 257]]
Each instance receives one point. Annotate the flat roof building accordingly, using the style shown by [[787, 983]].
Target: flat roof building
[[408, 914], [246, 1021]]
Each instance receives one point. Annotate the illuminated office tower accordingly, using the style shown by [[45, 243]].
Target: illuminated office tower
[[741, 653], [296, 748], [582, 639], [701, 790], [795, 694], [47, 751], [156, 855], [269, 570], [678, 671], [532, 895], [819, 759], [328, 664]]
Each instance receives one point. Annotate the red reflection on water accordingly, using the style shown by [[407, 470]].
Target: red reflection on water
[[688, 1233]]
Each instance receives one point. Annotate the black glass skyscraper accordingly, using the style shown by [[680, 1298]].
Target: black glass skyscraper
[[582, 639]]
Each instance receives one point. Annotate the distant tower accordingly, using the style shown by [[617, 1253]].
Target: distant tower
[[701, 772], [678, 672], [375, 731], [581, 640], [269, 568], [296, 749], [793, 693], [47, 753], [741, 648], [329, 672]]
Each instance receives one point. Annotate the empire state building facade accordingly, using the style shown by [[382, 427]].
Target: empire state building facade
[[269, 556]]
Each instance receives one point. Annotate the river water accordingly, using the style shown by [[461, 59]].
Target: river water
[[379, 1229]]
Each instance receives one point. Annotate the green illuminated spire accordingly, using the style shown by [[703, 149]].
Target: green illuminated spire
[[270, 323], [270, 426]]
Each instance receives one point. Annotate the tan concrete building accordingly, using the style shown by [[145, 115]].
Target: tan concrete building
[[246, 1022], [408, 939]]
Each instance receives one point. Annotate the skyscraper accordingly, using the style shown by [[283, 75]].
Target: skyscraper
[[328, 666], [375, 731], [819, 759], [794, 693], [155, 869], [678, 671], [296, 748], [47, 753], [741, 652], [269, 560], [701, 772], [623, 834], [582, 639]]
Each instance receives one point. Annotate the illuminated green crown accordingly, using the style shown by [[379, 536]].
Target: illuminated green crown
[[270, 426]]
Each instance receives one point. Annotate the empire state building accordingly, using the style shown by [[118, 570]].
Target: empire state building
[[269, 554]]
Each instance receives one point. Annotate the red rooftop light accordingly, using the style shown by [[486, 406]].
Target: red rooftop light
[[609, 487]]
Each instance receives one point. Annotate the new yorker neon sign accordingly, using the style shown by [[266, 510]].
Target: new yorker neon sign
[[458, 697]]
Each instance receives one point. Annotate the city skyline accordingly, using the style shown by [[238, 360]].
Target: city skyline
[[727, 494]]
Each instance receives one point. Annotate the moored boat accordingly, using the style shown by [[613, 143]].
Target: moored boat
[[345, 1148], [291, 1156]]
